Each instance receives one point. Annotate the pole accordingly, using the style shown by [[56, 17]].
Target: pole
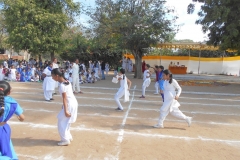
[[199, 61]]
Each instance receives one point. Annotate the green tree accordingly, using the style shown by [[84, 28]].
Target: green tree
[[220, 19], [3, 33], [134, 25], [38, 25]]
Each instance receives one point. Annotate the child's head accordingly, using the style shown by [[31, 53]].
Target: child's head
[[50, 64], [156, 67], [12, 67], [122, 71], [5, 89], [160, 68], [70, 74], [57, 75], [167, 75], [147, 66]]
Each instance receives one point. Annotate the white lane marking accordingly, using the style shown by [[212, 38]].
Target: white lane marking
[[139, 118], [152, 96], [146, 101], [143, 109], [161, 136], [121, 132], [27, 156], [152, 91]]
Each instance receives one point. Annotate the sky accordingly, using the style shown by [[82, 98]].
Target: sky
[[188, 29]]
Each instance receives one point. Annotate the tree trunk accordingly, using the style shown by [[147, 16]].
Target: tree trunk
[[40, 57], [52, 56], [138, 66]]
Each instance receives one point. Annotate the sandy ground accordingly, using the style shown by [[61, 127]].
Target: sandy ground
[[102, 133]]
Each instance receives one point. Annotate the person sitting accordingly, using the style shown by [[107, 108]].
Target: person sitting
[[171, 64], [177, 65]]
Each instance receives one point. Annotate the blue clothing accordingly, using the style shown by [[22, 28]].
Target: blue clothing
[[29, 75], [6, 148], [160, 80], [19, 70], [23, 77]]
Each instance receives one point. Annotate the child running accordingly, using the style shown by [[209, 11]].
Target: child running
[[170, 103], [125, 85], [8, 107], [146, 80], [68, 114]]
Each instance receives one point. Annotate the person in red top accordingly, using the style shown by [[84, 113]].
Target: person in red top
[[143, 66]]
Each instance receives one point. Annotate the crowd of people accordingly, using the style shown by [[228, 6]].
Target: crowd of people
[[32, 70]]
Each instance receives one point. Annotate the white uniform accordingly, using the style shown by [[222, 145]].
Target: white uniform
[[48, 84], [123, 90], [170, 104], [130, 65], [124, 63], [75, 77], [55, 65], [12, 75], [107, 68], [63, 121], [1, 74], [146, 81]]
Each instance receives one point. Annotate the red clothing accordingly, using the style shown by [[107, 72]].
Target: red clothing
[[157, 75], [143, 66]]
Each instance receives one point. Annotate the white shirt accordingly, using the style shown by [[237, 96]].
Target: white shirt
[[55, 65], [146, 74], [71, 101], [75, 69]]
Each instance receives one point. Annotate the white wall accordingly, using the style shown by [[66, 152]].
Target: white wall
[[206, 67]]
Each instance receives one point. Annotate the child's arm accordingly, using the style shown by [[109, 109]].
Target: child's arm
[[129, 83], [21, 117], [179, 89], [64, 96]]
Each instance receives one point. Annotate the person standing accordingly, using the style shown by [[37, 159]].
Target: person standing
[[55, 65], [48, 83], [143, 66], [130, 65], [68, 113], [103, 70], [170, 104], [107, 68], [75, 77], [146, 80]]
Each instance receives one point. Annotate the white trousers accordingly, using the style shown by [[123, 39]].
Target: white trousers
[[47, 94], [143, 89], [156, 87], [75, 83], [64, 129], [117, 96], [175, 112]]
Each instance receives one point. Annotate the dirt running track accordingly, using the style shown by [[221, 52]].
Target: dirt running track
[[102, 133]]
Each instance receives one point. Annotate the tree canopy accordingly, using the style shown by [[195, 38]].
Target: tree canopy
[[220, 19], [38, 25], [133, 25]]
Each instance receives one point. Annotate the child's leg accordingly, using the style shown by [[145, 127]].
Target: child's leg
[[143, 90], [178, 114], [162, 96], [163, 115], [47, 95], [63, 130], [156, 88], [117, 96]]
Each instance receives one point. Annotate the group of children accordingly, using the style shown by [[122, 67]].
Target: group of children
[[68, 113], [169, 89], [21, 73]]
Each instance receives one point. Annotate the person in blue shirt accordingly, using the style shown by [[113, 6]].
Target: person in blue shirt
[[23, 76], [161, 80], [9, 107]]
